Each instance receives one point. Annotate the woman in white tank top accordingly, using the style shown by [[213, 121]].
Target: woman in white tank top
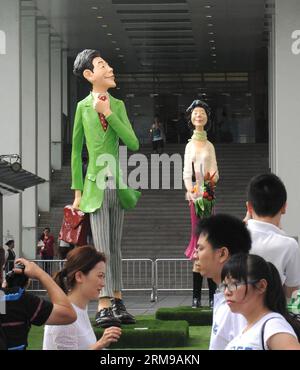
[[82, 279]]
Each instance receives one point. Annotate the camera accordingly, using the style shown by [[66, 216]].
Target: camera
[[14, 279]]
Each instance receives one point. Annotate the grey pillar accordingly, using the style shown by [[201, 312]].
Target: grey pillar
[[73, 102], [43, 113], [10, 139], [65, 97], [1, 219], [286, 107], [56, 102], [29, 125]]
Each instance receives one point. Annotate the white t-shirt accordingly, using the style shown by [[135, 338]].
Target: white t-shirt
[[226, 325], [252, 340], [78, 335], [271, 243]]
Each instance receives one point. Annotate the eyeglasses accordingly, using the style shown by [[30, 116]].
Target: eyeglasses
[[232, 287]]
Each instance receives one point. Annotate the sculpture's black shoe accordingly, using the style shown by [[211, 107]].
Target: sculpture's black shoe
[[105, 318], [120, 312]]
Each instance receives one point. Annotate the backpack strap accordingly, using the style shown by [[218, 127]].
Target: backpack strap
[[263, 331]]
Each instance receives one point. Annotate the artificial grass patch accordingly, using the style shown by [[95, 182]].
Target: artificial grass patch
[[194, 316], [198, 337], [151, 333]]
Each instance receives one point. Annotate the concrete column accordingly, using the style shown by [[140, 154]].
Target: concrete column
[[72, 101], [10, 124], [65, 97], [29, 125], [1, 218], [43, 113], [56, 102], [286, 107], [271, 79]]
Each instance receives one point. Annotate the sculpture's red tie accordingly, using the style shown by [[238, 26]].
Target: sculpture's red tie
[[101, 116]]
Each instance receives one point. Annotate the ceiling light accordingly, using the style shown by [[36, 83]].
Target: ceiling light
[[210, 24], [114, 42], [211, 40], [213, 55], [211, 33], [99, 17], [117, 49], [207, 6], [94, 8], [121, 56], [213, 48], [104, 25], [208, 16], [109, 34]]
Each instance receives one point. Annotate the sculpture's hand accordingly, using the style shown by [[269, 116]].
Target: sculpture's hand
[[77, 200], [103, 106]]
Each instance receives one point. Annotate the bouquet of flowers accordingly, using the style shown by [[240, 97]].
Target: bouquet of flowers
[[205, 203]]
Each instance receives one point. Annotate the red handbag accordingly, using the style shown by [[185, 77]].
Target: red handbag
[[75, 226]]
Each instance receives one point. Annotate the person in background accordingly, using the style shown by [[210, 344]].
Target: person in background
[[252, 287], [157, 136], [47, 250], [10, 255], [266, 203], [82, 278]]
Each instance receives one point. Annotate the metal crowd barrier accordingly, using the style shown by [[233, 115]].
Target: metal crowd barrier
[[140, 274], [174, 274]]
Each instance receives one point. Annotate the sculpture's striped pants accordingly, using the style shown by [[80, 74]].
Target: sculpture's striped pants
[[107, 226]]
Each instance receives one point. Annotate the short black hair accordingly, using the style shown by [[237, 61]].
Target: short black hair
[[223, 230], [267, 194], [47, 228], [84, 60], [9, 242], [198, 104]]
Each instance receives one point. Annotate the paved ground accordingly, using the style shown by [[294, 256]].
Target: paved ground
[[140, 304]]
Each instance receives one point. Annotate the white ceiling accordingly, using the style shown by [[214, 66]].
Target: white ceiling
[[164, 36]]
